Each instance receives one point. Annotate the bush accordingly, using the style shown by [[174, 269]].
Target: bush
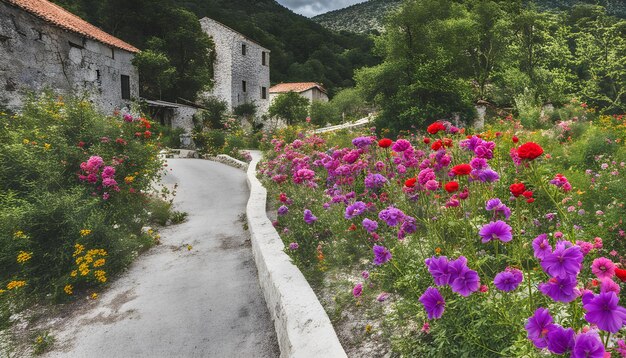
[[323, 113]]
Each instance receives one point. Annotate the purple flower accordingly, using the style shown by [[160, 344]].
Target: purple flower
[[541, 246], [602, 309], [357, 290], [293, 246], [370, 225], [588, 345], [565, 260], [426, 175], [382, 297], [438, 268], [355, 209], [401, 145], [392, 216], [362, 142], [431, 185], [463, 280], [498, 207], [538, 326], [486, 176], [433, 302], [408, 225], [283, 210], [479, 163], [560, 289], [498, 230], [560, 340], [374, 181], [309, 218], [365, 274], [381, 255], [508, 280]]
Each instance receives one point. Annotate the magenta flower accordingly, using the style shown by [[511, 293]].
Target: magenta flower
[[382, 297], [108, 172], [438, 268], [560, 289], [508, 280], [463, 280], [566, 260], [541, 246], [603, 268], [293, 246], [603, 310], [433, 302], [498, 230], [283, 210], [355, 210], [560, 340], [588, 345], [538, 326], [309, 218], [357, 290], [498, 207], [392, 216], [401, 145], [608, 285], [381, 255]]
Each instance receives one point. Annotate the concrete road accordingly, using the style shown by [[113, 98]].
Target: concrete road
[[175, 302]]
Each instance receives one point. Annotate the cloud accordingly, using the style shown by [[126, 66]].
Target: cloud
[[315, 7]]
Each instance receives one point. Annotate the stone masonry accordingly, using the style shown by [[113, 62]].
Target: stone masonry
[[36, 55], [242, 67]]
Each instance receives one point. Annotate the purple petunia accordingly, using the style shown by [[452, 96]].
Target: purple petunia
[[560, 340], [381, 255], [604, 311], [355, 210], [370, 225], [588, 345], [496, 230], [309, 218], [565, 260], [392, 216], [433, 302], [463, 280], [541, 246], [508, 280], [438, 268], [538, 326], [560, 289]]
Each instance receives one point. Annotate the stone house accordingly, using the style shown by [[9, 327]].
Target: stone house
[[241, 67], [309, 90], [43, 46]]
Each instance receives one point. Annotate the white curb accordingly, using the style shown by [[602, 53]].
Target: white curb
[[302, 326]]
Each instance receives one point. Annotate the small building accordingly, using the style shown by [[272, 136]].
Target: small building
[[241, 67], [310, 90], [43, 46]]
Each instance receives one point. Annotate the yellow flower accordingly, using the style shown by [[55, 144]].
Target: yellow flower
[[99, 262], [78, 250], [23, 256], [94, 296], [100, 276], [68, 289], [85, 232], [368, 328], [74, 273], [25, 141], [15, 284], [189, 247], [46, 146], [129, 179], [2, 291], [19, 235]]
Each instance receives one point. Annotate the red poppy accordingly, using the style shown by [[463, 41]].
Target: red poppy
[[435, 128], [529, 151], [426, 140], [436, 145], [451, 187], [517, 189], [410, 182], [461, 169], [385, 143], [528, 194], [621, 274], [515, 139], [530, 201]]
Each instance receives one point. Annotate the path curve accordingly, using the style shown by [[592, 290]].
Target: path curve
[[175, 302]]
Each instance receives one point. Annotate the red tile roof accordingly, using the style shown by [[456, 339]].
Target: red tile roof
[[64, 19], [297, 87]]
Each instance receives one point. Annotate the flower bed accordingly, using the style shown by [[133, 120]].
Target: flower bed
[[500, 243]]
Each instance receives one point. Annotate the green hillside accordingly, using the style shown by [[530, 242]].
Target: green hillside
[[363, 17]]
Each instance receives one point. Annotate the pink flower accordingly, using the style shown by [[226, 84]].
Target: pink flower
[[609, 285], [108, 172], [597, 243], [426, 328], [358, 290], [105, 196], [603, 268], [382, 297]]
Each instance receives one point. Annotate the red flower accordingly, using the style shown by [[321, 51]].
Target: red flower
[[451, 187], [515, 139], [461, 169], [528, 194], [426, 140], [81, 144], [530, 201], [410, 182], [147, 134], [435, 127], [529, 151], [385, 143], [621, 274], [447, 142], [436, 145], [517, 189]]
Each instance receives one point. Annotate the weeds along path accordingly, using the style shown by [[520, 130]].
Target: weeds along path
[[195, 295]]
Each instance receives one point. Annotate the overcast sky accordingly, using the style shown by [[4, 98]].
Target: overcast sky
[[315, 7]]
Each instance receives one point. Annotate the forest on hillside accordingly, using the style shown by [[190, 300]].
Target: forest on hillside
[[175, 62]]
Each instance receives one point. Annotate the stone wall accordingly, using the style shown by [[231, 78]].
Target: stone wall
[[35, 55], [183, 117], [232, 67]]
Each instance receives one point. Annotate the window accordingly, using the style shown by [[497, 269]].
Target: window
[[263, 62], [243, 49], [263, 92], [75, 45], [112, 53], [243, 86], [125, 87]]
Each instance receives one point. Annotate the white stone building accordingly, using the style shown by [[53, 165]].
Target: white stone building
[[43, 46], [242, 67], [309, 90]]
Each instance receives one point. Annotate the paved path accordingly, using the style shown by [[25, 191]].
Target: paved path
[[179, 303]]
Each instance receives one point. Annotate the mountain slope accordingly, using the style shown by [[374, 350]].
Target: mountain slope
[[361, 18]]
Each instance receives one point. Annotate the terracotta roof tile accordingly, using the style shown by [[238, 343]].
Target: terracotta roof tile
[[64, 19], [297, 87]]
